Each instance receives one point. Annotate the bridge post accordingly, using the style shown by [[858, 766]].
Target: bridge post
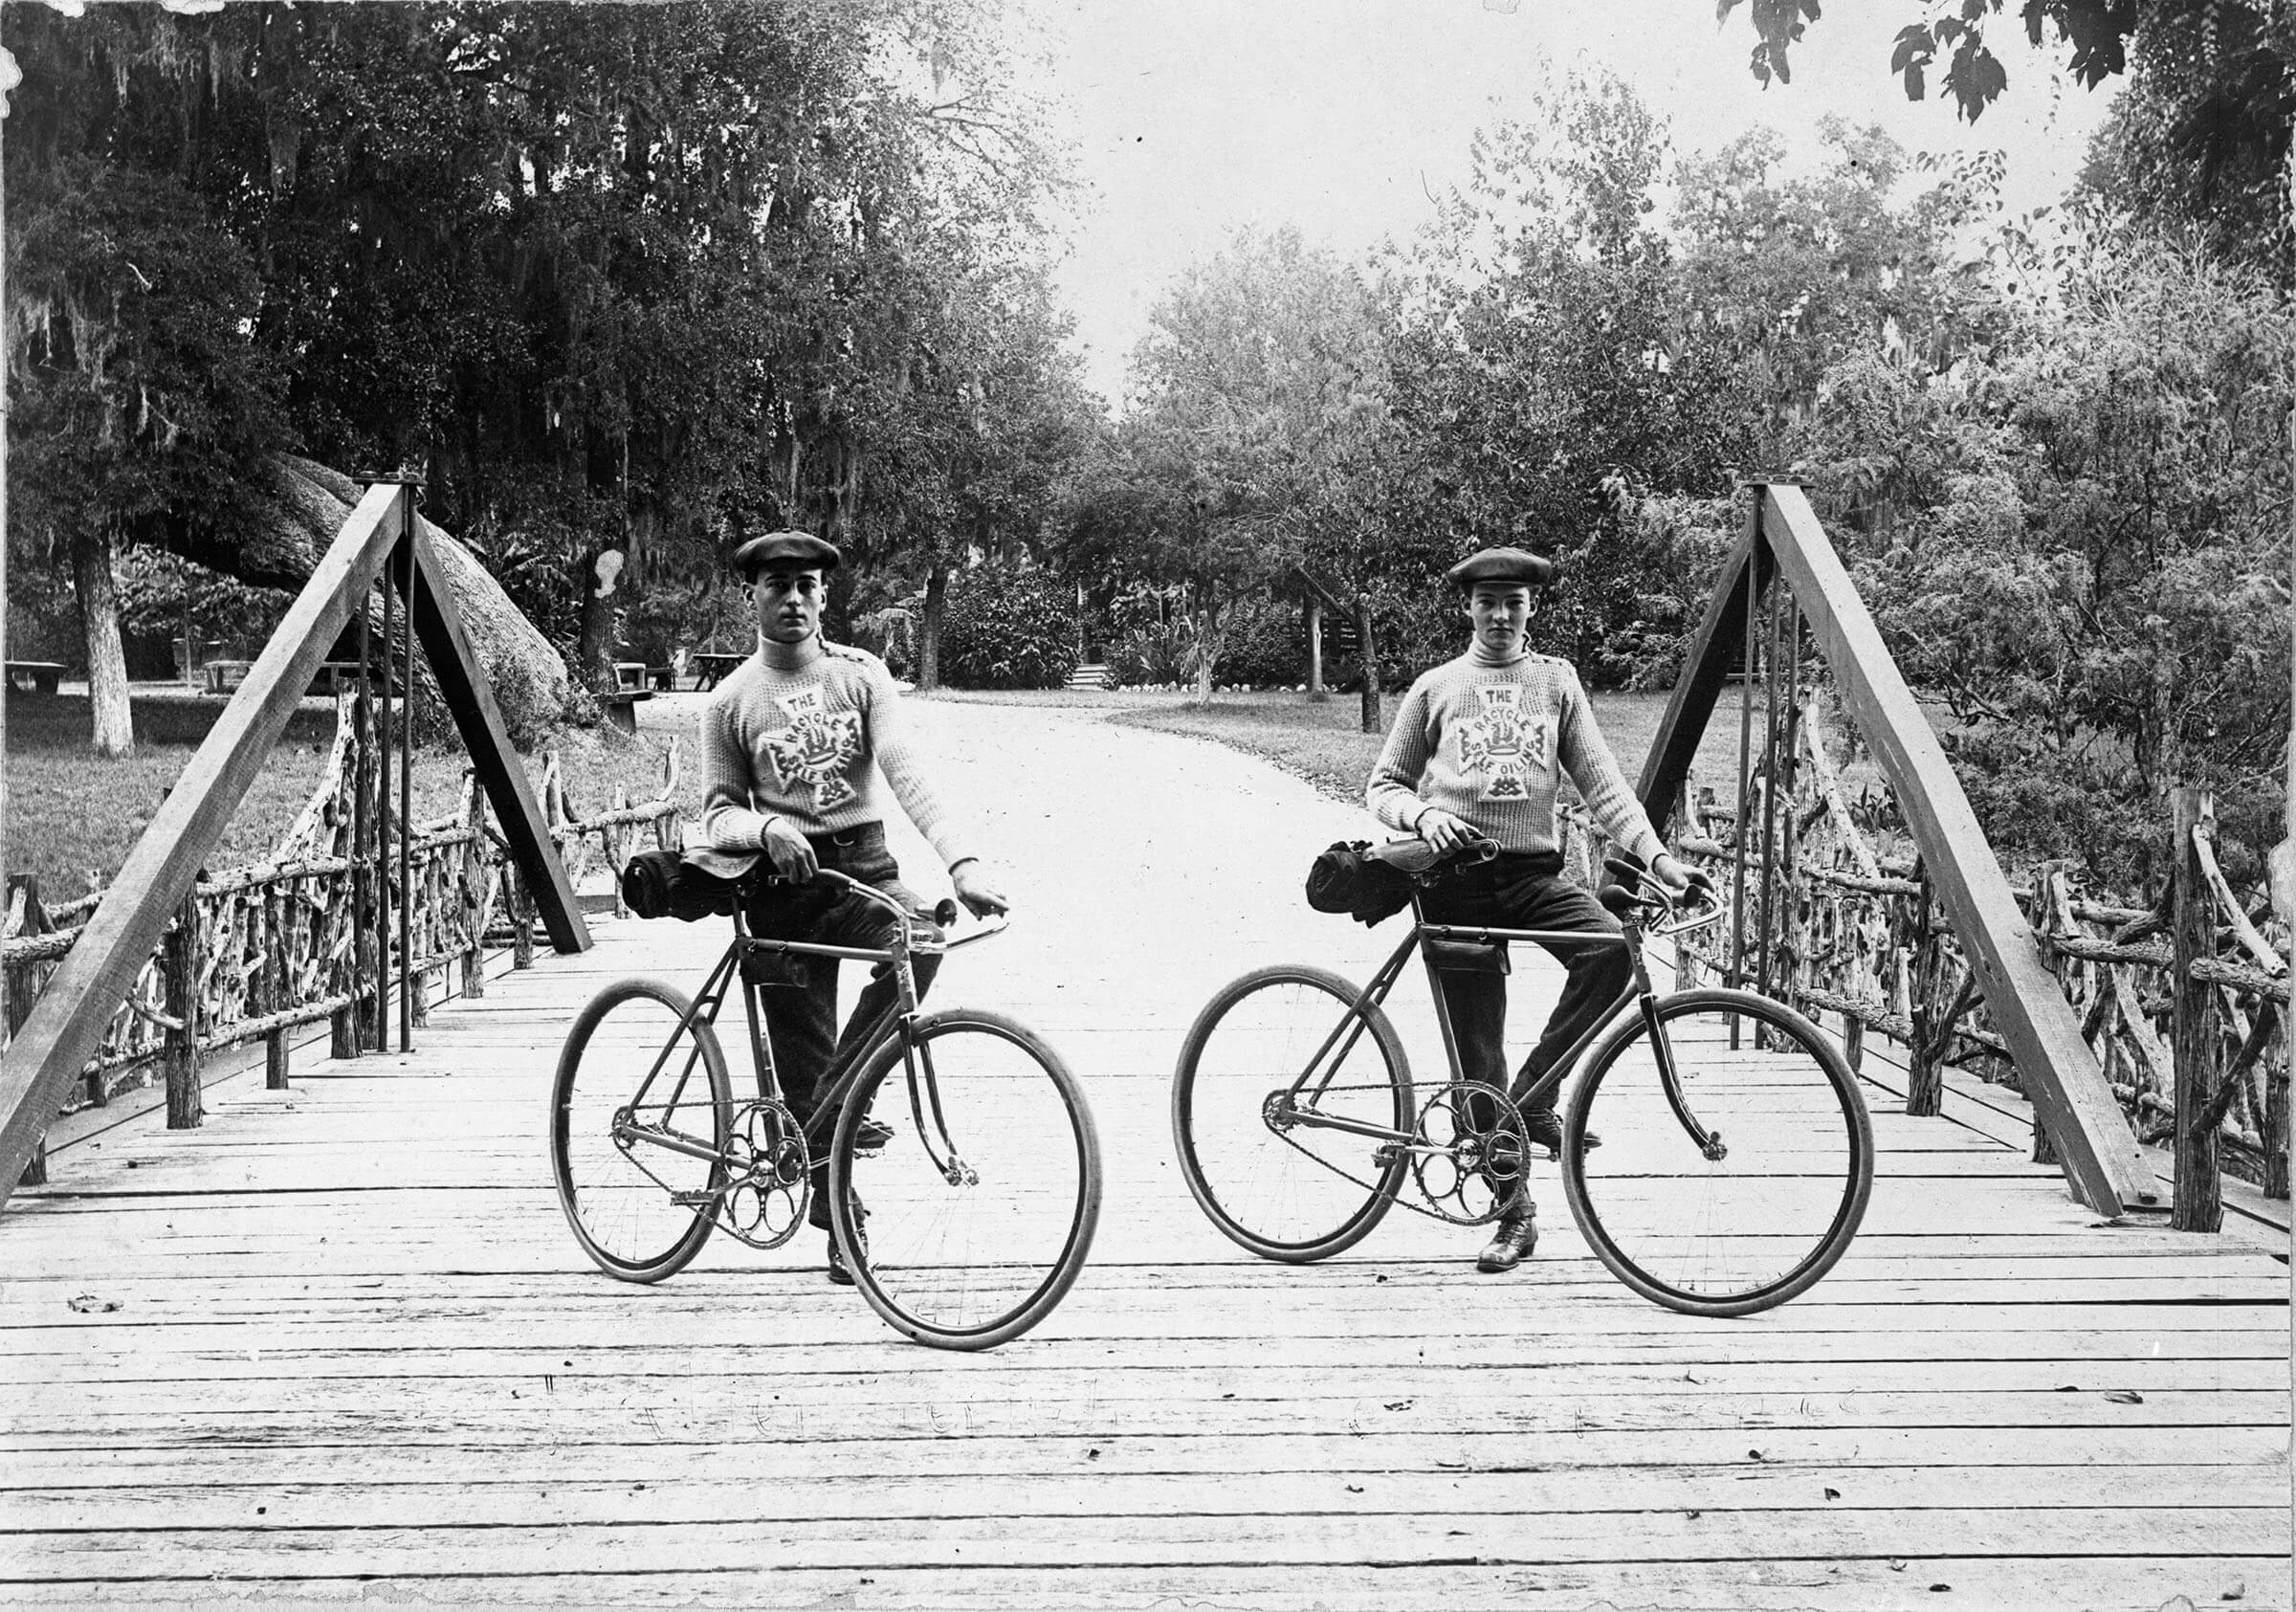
[[2192, 924], [179, 970]]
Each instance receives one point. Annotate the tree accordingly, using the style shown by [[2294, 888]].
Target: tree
[[138, 392], [1255, 391], [1546, 344], [2096, 31], [631, 283]]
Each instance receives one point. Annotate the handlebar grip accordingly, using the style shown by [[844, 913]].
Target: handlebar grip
[[1617, 900], [1624, 869]]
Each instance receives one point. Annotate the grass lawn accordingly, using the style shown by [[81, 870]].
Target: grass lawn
[[1322, 744], [72, 817]]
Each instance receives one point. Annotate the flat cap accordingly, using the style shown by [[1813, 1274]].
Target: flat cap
[[1512, 566], [787, 551]]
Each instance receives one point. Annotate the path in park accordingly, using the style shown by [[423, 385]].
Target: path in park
[[339, 1343]]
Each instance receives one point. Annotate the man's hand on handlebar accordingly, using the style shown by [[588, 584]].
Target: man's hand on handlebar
[[977, 888], [791, 854], [1678, 879]]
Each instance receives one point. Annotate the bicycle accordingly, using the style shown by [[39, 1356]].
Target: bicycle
[[979, 1213], [1736, 1159]]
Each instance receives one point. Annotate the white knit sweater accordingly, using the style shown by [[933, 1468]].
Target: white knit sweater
[[804, 732], [1489, 743]]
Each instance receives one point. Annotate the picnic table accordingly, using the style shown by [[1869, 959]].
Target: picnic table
[[34, 676], [715, 667]]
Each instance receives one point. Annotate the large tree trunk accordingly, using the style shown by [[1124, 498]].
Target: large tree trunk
[[307, 505], [928, 648], [601, 578], [111, 725]]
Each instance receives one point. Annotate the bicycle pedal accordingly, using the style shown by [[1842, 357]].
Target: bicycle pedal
[[703, 1200]]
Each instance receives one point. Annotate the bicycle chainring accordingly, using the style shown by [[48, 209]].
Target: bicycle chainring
[[769, 1176], [1470, 1154]]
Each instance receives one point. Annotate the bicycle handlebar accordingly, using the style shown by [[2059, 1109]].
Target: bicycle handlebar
[[944, 915]]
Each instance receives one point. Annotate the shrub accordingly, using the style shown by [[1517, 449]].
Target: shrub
[[1266, 643], [1009, 631], [1153, 653]]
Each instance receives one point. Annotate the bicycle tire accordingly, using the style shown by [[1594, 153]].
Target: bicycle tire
[[1250, 1041], [1749, 1230], [617, 1195], [974, 1262]]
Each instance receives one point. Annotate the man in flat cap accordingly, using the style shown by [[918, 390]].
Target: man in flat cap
[[794, 744], [1477, 751]]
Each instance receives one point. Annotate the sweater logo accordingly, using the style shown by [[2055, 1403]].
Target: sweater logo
[[816, 749], [1502, 746]]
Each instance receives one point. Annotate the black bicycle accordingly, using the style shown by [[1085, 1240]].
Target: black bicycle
[[1735, 1155], [964, 1229]]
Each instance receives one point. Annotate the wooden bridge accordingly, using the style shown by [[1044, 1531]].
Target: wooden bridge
[[337, 1345]]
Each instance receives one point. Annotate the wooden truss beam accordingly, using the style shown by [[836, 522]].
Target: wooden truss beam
[[67, 1024], [464, 687], [2061, 1076]]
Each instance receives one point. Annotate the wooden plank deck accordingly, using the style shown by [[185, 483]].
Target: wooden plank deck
[[339, 1345]]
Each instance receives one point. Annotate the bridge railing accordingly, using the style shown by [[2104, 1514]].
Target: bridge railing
[[260, 952], [173, 962], [2166, 1010]]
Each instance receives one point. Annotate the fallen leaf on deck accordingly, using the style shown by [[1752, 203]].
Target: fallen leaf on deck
[[2125, 1397], [88, 1304]]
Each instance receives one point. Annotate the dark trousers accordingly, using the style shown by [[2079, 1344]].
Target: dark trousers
[[1524, 891], [800, 992], [800, 996]]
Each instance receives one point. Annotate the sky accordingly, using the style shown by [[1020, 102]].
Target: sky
[[1191, 118]]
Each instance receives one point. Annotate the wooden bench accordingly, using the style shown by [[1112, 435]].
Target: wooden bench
[[621, 707], [34, 676], [226, 675], [333, 676]]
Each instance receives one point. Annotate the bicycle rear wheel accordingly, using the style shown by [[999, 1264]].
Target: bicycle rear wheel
[[1270, 1178], [977, 1217], [639, 1207], [1765, 1210]]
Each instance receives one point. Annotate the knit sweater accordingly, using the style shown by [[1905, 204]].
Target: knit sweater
[[1489, 743], [803, 732]]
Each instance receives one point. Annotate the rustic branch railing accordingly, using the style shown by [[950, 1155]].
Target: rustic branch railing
[[172, 964], [1884, 906], [1858, 934], [272, 947]]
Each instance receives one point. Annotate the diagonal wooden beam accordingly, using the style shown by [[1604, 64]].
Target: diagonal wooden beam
[[1714, 650], [471, 698], [2061, 1077], [67, 1024]]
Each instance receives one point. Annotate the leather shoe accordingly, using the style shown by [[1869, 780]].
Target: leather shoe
[[1517, 1235], [841, 1272], [871, 1137], [1544, 1126]]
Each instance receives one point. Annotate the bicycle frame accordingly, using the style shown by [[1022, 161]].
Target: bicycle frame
[[899, 1018], [1639, 991]]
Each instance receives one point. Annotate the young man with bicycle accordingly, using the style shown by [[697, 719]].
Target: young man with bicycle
[[1478, 751], [794, 746]]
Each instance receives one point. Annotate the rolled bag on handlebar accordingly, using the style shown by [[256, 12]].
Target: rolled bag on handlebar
[[660, 884]]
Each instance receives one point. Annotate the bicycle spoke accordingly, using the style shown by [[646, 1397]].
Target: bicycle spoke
[[1253, 1106], [1768, 1205], [977, 1220], [639, 1209]]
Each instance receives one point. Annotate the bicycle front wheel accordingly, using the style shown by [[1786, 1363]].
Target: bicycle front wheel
[[1747, 1190], [975, 1218], [638, 1119], [1288, 1115]]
